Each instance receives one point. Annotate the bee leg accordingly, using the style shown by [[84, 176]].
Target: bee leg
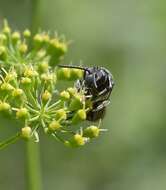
[[77, 85], [89, 96], [94, 81], [103, 91], [102, 105], [109, 94], [109, 89], [56, 92], [111, 82], [99, 124], [80, 85]]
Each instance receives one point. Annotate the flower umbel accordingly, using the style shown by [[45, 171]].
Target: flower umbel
[[28, 88]]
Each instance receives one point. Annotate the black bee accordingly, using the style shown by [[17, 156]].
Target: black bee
[[98, 84]]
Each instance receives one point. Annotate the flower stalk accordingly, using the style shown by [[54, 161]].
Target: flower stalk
[[33, 166], [29, 77]]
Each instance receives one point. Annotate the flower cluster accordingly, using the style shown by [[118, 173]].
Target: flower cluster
[[28, 88]]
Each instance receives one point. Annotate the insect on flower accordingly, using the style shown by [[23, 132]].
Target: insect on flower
[[29, 92], [97, 83]]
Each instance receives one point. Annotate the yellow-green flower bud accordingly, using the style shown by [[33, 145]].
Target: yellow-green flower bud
[[61, 114], [43, 67], [26, 132], [47, 77], [15, 37], [6, 29], [2, 49], [26, 33], [72, 91], [64, 95], [46, 38], [56, 50], [91, 132], [4, 107], [3, 53], [41, 53], [23, 48], [26, 81], [64, 73], [53, 43], [46, 96], [68, 144], [57, 45], [11, 76], [79, 116], [22, 113], [3, 38], [76, 102], [6, 87], [30, 72], [38, 40], [54, 125], [62, 47], [17, 92], [77, 140], [76, 73]]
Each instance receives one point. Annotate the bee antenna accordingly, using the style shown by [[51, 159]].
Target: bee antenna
[[74, 67]]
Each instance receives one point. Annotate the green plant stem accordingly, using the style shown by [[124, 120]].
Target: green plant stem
[[33, 166], [35, 16], [32, 149], [9, 141]]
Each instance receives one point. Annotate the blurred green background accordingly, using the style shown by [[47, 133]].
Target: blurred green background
[[129, 38]]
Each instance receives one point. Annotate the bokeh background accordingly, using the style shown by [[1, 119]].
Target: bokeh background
[[129, 38]]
